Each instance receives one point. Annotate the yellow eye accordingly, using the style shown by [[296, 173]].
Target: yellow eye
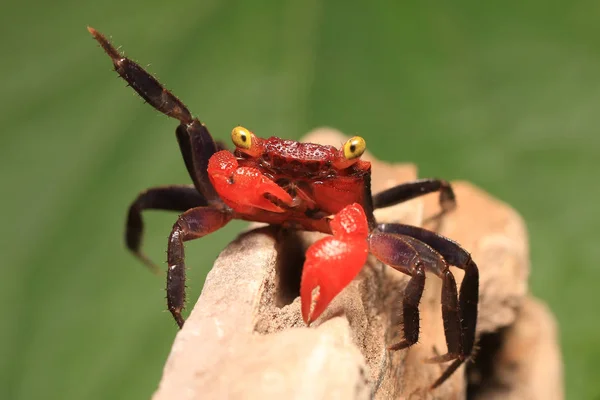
[[354, 147], [241, 137]]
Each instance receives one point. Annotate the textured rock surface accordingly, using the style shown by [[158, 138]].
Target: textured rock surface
[[245, 337], [527, 364]]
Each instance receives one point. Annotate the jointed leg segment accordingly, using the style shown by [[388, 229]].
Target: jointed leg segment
[[197, 146], [410, 190], [170, 198], [195, 142], [460, 318], [192, 224], [413, 257]]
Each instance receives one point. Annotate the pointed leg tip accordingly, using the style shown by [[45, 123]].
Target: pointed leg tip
[[398, 346], [442, 359], [436, 384], [95, 34], [108, 48], [178, 319]]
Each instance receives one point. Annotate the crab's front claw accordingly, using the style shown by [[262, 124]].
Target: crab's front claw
[[333, 262], [243, 187]]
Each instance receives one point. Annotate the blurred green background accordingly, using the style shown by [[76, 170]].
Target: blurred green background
[[504, 94]]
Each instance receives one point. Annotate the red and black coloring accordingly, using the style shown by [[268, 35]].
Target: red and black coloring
[[308, 187]]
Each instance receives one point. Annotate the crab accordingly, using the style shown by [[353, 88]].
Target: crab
[[310, 187]]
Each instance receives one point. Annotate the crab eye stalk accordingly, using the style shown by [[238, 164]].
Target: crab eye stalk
[[354, 147], [349, 154], [246, 142], [241, 137]]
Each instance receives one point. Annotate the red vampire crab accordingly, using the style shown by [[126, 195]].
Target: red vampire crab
[[308, 187]]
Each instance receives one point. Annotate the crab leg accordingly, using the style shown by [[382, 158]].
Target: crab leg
[[421, 187], [192, 224], [195, 142], [414, 258], [243, 188], [197, 146], [333, 262], [171, 198], [460, 344]]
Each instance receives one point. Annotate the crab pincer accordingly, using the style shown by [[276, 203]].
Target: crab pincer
[[334, 261], [245, 186]]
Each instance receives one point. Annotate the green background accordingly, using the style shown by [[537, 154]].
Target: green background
[[504, 94]]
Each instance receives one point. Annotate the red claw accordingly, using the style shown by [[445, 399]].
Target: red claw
[[241, 187], [333, 262]]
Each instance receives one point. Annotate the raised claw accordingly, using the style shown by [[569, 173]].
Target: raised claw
[[333, 262], [242, 187]]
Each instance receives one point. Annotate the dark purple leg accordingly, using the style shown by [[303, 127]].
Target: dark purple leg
[[410, 307], [170, 198], [421, 187], [412, 257], [468, 298], [195, 142], [192, 224]]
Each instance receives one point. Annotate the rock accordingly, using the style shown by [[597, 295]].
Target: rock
[[524, 358], [245, 337]]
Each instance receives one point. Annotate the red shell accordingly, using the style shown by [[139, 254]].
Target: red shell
[[308, 173]]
